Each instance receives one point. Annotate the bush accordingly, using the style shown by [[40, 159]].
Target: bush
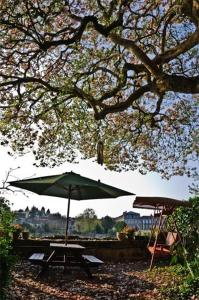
[[187, 252], [119, 226], [187, 222], [6, 258], [129, 232], [188, 289]]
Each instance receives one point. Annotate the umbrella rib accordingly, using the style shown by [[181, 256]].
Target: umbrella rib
[[79, 191], [69, 189], [63, 187]]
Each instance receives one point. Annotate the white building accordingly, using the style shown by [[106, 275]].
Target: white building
[[133, 219]]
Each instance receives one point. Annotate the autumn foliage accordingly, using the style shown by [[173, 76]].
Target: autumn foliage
[[124, 72]]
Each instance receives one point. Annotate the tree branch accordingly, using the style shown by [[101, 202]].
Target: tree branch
[[183, 84], [139, 53], [118, 107], [168, 55], [20, 80], [79, 31]]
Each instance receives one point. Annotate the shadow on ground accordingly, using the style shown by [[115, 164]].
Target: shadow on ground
[[111, 281]]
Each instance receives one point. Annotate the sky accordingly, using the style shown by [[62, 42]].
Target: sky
[[141, 185]]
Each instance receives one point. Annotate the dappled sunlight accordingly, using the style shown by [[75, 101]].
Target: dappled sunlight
[[44, 289], [113, 281]]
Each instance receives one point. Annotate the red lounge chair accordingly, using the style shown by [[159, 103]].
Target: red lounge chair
[[163, 250]]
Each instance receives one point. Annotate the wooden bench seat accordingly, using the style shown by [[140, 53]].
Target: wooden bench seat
[[94, 261], [37, 257], [83, 261]]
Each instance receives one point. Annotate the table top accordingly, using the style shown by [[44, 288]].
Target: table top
[[64, 246]]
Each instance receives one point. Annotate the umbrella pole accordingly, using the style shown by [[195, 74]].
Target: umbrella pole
[[68, 210], [156, 240]]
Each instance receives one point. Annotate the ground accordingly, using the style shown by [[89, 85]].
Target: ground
[[120, 281]]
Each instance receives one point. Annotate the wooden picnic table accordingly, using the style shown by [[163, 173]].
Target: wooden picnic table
[[66, 255]]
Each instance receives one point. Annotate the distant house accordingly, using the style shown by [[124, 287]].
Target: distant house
[[147, 222], [71, 225], [21, 216], [55, 223], [133, 219]]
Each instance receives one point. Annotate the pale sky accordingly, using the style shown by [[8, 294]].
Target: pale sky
[[141, 185]]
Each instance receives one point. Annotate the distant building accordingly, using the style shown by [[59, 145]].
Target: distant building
[[133, 219], [147, 222], [39, 219], [21, 216], [71, 225]]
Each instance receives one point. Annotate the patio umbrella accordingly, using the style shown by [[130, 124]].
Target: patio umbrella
[[71, 186]]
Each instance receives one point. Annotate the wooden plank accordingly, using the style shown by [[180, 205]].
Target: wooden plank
[[37, 256], [50, 257], [92, 259], [66, 246]]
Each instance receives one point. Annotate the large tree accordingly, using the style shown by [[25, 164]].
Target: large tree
[[107, 223], [87, 221], [79, 71]]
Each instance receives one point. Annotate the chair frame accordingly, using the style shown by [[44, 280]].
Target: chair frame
[[162, 213]]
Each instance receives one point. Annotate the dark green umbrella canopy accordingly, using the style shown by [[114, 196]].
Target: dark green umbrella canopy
[[70, 185]]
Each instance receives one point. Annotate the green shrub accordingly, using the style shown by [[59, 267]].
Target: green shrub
[[189, 289], [187, 222], [187, 252], [6, 257]]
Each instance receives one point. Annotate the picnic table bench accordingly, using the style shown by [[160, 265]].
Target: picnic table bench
[[69, 255], [37, 257], [94, 261]]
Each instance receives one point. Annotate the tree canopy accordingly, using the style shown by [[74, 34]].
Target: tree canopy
[[87, 221], [107, 223], [124, 72], [88, 213]]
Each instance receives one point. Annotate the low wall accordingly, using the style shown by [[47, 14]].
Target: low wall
[[107, 250]]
